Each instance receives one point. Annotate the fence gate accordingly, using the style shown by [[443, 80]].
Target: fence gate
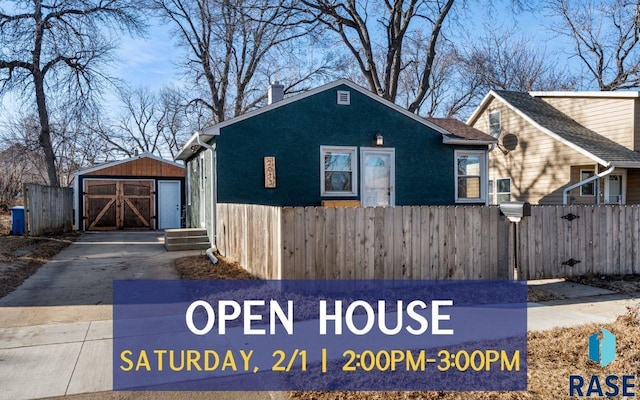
[[111, 205]]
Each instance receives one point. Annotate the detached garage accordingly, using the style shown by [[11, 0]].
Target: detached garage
[[143, 192]]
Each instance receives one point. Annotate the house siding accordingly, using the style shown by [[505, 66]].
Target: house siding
[[293, 134], [539, 167], [610, 117]]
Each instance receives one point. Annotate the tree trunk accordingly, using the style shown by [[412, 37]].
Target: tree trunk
[[45, 129]]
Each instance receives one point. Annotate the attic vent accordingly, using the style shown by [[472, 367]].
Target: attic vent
[[344, 97]]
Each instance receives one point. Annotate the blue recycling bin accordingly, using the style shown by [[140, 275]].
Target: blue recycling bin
[[17, 220]]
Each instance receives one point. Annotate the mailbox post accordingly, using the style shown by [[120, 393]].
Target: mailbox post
[[515, 211]]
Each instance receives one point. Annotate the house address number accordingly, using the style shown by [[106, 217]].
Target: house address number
[[269, 172]]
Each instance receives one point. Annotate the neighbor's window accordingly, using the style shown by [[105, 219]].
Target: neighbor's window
[[338, 173], [503, 190], [469, 175], [588, 189], [495, 124]]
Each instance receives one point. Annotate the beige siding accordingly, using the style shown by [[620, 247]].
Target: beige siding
[[539, 167], [612, 118]]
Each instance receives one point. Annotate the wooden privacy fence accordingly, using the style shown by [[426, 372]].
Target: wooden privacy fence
[[462, 242], [48, 209], [366, 243], [565, 241]]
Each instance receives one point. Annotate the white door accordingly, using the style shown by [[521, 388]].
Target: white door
[[378, 177], [615, 188], [168, 204]]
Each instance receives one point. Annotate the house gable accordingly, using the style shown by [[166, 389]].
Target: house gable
[[539, 166]]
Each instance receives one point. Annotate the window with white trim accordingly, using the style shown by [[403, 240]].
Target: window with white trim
[[495, 123], [470, 173], [503, 190], [338, 171], [588, 189]]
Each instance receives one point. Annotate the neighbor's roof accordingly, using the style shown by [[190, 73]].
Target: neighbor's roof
[[561, 127], [192, 146], [458, 130]]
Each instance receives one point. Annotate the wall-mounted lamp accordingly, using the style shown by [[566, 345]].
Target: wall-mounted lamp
[[379, 139]]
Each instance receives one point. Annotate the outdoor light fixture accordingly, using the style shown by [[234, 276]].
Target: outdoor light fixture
[[379, 139]]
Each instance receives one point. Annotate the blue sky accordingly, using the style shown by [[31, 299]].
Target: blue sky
[[150, 61]]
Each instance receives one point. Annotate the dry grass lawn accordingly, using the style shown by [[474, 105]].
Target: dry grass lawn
[[20, 257], [552, 355]]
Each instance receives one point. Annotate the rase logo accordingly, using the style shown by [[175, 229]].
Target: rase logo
[[602, 350]]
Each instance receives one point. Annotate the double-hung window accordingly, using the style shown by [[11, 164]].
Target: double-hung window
[[338, 171], [588, 189], [470, 175]]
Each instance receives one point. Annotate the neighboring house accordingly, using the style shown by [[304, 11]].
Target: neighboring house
[[553, 144], [141, 192], [19, 165], [336, 143]]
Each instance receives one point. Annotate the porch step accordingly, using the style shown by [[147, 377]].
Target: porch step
[[186, 239]]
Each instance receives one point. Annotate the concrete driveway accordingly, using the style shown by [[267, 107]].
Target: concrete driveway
[[82, 274]]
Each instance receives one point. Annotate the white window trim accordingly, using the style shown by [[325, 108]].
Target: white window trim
[[593, 172], [623, 173], [484, 179], [354, 171]]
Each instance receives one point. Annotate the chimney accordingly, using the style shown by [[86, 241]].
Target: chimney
[[275, 92]]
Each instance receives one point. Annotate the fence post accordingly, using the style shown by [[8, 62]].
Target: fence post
[[505, 247]]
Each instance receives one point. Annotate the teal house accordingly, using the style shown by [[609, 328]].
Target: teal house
[[336, 144]]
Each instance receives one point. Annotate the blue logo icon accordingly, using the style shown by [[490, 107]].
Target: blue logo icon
[[602, 350]]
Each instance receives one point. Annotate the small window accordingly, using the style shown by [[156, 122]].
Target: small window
[[338, 173], [588, 189], [503, 190], [469, 174], [495, 124], [344, 97]]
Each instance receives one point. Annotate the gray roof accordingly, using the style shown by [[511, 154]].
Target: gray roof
[[569, 130]]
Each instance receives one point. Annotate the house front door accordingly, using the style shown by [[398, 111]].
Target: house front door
[[378, 177], [615, 188]]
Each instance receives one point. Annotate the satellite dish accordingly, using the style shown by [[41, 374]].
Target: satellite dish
[[510, 141]]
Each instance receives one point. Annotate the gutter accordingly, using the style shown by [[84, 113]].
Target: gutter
[[565, 192], [214, 200]]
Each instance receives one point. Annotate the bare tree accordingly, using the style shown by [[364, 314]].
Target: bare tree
[[228, 42], [52, 48], [606, 36], [158, 123], [500, 59], [382, 62]]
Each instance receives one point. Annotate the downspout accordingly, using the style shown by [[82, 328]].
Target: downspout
[[213, 195], [565, 192]]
